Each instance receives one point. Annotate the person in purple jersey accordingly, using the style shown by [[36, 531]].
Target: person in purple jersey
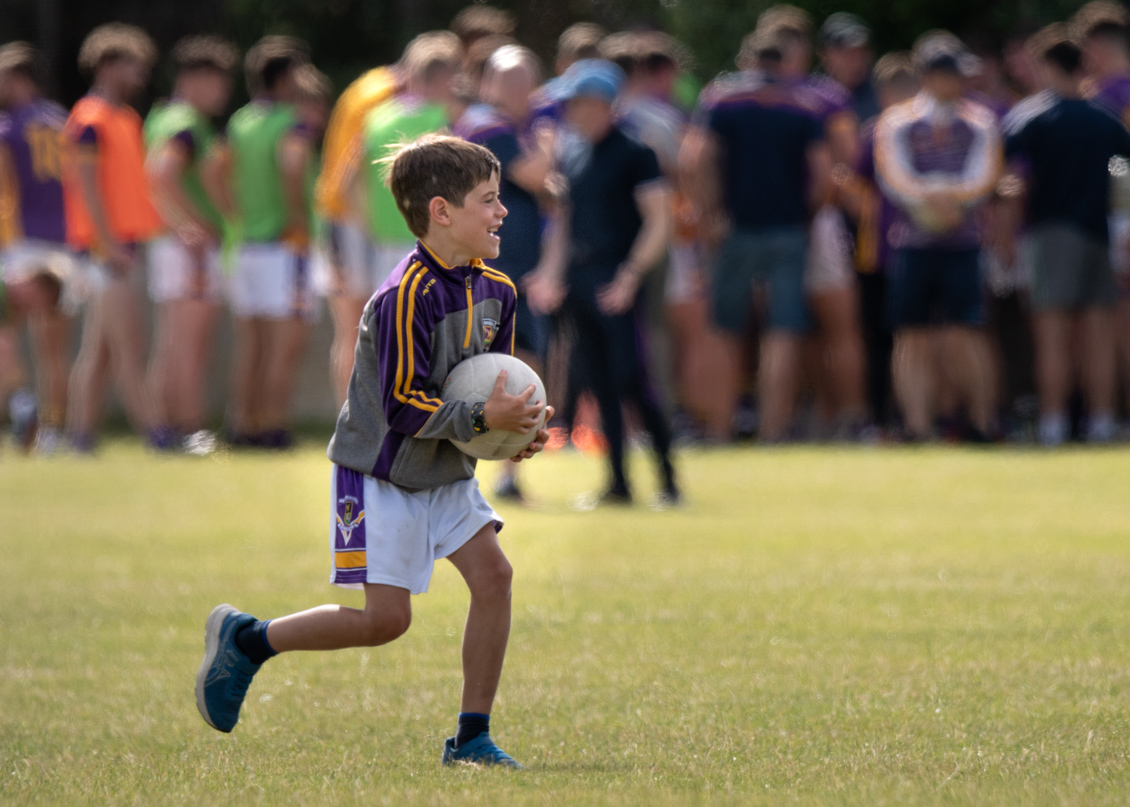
[[501, 123], [32, 295], [937, 157], [32, 224], [403, 496], [1102, 28], [835, 356]]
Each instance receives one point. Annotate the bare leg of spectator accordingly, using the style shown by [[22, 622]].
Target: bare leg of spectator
[[125, 335], [247, 376], [913, 369], [163, 365], [347, 317], [1053, 373], [1122, 343], [50, 334], [195, 322], [780, 357], [837, 311], [285, 346], [1098, 372], [968, 359]]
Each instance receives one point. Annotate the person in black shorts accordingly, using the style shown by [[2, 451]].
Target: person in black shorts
[[618, 225]]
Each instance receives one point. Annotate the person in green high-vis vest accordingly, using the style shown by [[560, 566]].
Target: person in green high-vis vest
[[426, 104], [268, 157], [184, 260]]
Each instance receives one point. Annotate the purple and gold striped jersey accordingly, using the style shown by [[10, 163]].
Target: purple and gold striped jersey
[[31, 193], [424, 320], [923, 147]]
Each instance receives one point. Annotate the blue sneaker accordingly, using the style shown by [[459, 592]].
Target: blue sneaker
[[479, 751], [225, 674]]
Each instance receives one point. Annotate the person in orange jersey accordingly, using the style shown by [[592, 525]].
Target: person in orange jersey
[[109, 215]]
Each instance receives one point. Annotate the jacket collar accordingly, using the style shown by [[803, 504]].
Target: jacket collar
[[434, 261]]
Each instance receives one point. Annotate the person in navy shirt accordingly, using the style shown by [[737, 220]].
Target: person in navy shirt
[[618, 227], [502, 123], [1067, 143], [760, 166]]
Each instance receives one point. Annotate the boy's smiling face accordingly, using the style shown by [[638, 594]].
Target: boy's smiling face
[[473, 231]]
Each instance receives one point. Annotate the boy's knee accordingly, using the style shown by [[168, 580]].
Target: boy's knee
[[385, 627], [493, 582]]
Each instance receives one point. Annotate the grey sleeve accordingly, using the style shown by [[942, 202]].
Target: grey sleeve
[[452, 421]]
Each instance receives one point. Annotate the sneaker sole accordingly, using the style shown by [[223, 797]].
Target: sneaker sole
[[211, 646]]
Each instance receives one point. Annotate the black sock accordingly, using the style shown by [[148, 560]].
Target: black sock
[[252, 642], [471, 725]]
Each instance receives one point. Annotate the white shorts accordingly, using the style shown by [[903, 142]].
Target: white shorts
[[271, 281], [29, 255], [349, 264], [382, 533], [684, 273], [174, 273], [828, 265]]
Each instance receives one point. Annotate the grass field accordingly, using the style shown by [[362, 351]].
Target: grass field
[[817, 626]]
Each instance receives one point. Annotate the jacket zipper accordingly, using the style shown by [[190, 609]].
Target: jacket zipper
[[470, 314]]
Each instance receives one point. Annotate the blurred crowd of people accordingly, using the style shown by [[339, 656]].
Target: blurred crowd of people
[[934, 244]]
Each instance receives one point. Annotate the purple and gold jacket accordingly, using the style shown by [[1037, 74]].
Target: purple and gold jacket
[[424, 320]]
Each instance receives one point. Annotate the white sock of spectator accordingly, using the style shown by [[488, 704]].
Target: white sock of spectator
[[1053, 429], [1101, 428]]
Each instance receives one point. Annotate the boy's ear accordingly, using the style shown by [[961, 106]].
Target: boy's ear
[[439, 211]]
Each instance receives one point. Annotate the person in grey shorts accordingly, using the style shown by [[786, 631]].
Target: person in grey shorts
[[760, 163], [1067, 143]]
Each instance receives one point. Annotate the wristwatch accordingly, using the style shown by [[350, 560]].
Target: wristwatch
[[479, 418]]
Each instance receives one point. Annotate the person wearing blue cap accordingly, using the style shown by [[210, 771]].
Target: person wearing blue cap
[[618, 225]]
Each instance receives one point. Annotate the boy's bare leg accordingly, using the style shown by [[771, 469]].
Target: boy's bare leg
[[386, 616], [488, 575]]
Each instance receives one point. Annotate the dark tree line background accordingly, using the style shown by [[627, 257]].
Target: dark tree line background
[[348, 36]]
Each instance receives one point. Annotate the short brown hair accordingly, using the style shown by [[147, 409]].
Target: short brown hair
[[786, 19], [313, 84], [478, 21], [436, 165], [429, 53], [1054, 44], [115, 40], [269, 58], [895, 68], [21, 57], [196, 52], [580, 40], [1100, 18]]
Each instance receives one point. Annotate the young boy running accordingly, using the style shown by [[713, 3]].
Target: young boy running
[[393, 459]]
